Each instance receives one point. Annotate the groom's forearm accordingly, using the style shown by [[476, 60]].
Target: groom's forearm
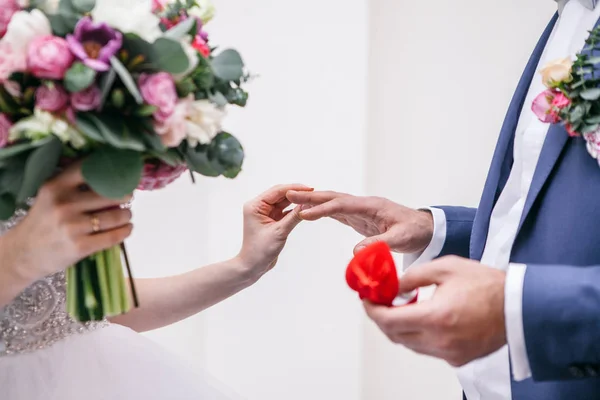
[[561, 321], [165, 301]]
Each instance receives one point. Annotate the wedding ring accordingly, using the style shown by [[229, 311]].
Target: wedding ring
[[95, 220]]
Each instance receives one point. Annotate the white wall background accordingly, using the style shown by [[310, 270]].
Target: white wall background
[[440, 77]]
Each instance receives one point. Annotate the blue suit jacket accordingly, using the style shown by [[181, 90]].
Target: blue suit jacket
[[557, 240]]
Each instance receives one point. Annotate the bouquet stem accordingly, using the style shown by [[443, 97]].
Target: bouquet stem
[[96, 287]]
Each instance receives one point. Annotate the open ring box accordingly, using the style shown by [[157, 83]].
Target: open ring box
[[374, 275]]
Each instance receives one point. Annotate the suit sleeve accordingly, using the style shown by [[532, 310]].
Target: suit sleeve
[[451, 235], [561, 321], [459, 224]]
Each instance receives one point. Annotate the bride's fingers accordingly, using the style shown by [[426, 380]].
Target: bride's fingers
[[104, 240], [90, 201], [313, 198], [103, 221], [290, 221], [278, 193]]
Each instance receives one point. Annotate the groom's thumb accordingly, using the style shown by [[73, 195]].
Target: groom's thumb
[[370, 240], [291, 220]]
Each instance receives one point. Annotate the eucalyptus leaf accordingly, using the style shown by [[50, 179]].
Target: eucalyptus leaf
[[590, 94], [113, 173], [84, 6], [219, 99], [589, 128], [170, 157], [230, 154], [577, 114], [79, 77], [41, 165], [106, 83], [88, 128], [198, 161], [115, 132], [63, 23], [187, 27], [12, 176], [169, 56], [228, 65], [127, 79], [8, 207], [593, 120], [17, 149]]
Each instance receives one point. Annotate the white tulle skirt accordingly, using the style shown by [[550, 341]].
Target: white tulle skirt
[[111, 363]]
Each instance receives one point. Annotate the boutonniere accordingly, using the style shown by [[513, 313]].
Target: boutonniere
[[572, 97], [373, 274]]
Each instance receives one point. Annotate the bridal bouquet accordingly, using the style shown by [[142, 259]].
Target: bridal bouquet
[[134, 88]]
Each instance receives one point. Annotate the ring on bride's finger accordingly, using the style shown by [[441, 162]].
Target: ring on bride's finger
[[95, 220]]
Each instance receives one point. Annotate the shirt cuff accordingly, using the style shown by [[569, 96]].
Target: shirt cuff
[[513, 314], [435, 246]]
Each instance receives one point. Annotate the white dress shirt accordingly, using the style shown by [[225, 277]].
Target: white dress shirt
[[489, 378]]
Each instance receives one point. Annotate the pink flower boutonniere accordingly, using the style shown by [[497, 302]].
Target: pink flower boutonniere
[[572, 97]]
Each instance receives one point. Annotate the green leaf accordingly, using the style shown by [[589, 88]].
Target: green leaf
[[593, 60], [170, 56], [84, 6], [12, 176], [63, 23], [197, 160], [106, 83], [8, 206], [187, 27], [115, 132], [41, 165], [113, 173], [17, 149], [593, 120], [219, 99], [88, 128], [127, 79], [79, 77], [230, 154], [228, 65], [145, 111], [591, 94], [589, 128], [170, 157], [577, 114]]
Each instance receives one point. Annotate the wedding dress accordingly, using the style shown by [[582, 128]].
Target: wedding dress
[[46, 355]]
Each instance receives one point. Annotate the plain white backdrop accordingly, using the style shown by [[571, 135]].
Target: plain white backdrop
[[398, 98]]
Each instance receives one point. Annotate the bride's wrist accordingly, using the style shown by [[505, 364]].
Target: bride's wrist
[[11, 269], [247, 270]]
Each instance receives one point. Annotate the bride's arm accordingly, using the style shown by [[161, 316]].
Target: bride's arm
[[165, 301]]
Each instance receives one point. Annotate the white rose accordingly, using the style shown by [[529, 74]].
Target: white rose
[[205, 10], [23, 28], [43, 124], [204, 122], [557, 71], [129, 16]]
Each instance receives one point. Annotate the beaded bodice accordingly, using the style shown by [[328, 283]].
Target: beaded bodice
[[37, 318]]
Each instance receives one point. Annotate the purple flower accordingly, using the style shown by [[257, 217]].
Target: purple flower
[[52, 98], [95, 43], [87, 100]]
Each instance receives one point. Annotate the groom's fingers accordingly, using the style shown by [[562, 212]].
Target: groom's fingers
[[398, 320], [340, 205], [312, 198], [433, 273]]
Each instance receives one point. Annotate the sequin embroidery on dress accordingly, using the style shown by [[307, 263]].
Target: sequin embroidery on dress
[[37, 318]]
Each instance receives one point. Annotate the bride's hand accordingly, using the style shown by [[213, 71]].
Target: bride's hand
[[64, 226], [266, 228]]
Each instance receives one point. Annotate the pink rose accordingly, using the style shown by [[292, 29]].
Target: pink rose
[[542, 107], [159, 90], [174, 129], [51, 98], [561, 101], [571, 131], [5, 125], [49, 57], [8, 8], [10, 61], [13, 88], [87, 100]]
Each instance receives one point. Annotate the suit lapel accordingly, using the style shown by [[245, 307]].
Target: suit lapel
[[555, 142], [503, 156]]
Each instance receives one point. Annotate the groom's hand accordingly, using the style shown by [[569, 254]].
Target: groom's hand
[[404, 229], [463, 321]]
